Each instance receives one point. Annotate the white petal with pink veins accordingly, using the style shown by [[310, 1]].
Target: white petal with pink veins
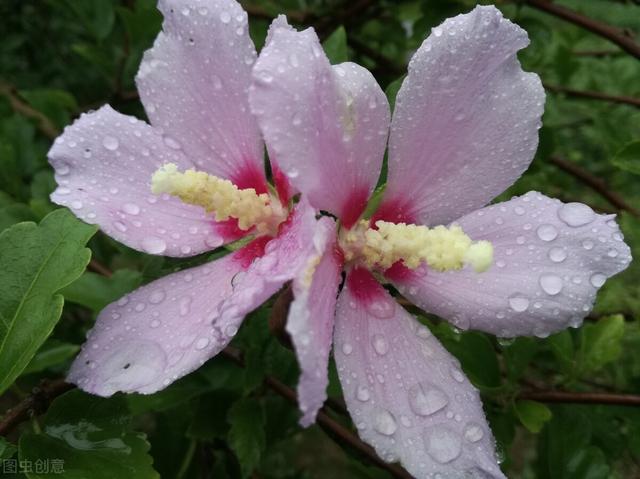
[[326, 126], [103, 164], [466, 119], [193, 84], [405, 392], [159, 332], [550, 259]]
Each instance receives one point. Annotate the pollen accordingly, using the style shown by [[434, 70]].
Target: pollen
[[441, 248], [221, 197]]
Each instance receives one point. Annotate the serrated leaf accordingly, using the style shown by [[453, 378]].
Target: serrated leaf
[[532, 414], [246, 436], [36, 261], [335, 46], [92, 436], [628, 158]]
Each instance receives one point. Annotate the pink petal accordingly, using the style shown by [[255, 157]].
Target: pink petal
[[550, 259], [193, 84], [465, 121], [285, 257], [310, 320], [326, 125], [103, 165], [405, 392], [161, 331]]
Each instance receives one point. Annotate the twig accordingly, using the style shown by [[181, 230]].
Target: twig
[[97, 267], [594, 95], [596, 53], [324, 420], [595, 183], [613, 34], [35, 403], [582, 397], [45, 125]]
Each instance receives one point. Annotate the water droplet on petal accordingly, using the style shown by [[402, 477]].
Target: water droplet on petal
[[597, 280], [363, 394], [576, 214], [202, 343], [110, 143], [154, 245], [131, 208], [551, 283], [547, 232], [425, 399], [157, 296], [347, 349], [225, 17], [557, 255], [385, 423], [442, 444], [382, 308], [473, 432], [518, 303], [380, 344]]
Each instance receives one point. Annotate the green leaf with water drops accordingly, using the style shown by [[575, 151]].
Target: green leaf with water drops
[[335, 46], [92, 437], [246, 436], [532, 414], [36, 261]]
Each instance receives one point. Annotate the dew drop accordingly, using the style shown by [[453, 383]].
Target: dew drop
[[385, 423], [157, 296], [442, 444], [547, 232], [380, 344], [382, 308], [131, 208], [425, 400], [551, 283], [473, 432], [597, 280], [576, 214], [557, 255], [154, 245], [225, 17], [363, 394], [587, 244], [347, 349], [110, 143], [518, 303], [202, 343]]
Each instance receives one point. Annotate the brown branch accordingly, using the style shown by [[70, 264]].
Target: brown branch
[[594, 95], [615, 35], [569, 397], [46, 126], [596, 53], [324, 420], [35, 403], [97, 267], [595, 183]]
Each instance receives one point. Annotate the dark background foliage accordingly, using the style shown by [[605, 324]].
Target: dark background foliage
[[562, 407]]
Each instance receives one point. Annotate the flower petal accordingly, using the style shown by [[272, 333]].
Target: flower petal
[[285, 257], [103, 165], [326, 126], [310, 320], [405, 392], [550, 259], [465, 121], [193, 84], [161, 331]]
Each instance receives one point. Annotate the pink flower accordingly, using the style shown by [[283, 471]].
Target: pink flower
[[194, 86], [463, 130]]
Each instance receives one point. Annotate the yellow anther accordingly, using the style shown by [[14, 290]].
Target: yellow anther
[[220, 196], [442, 248]]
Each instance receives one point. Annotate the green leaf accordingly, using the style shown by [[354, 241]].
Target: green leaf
[[562, 348], [96, 291], [92, 436], [246, 436], [52, 353], [36, 261], [7, 450], [628, 158], [335, 46], [57, 105], [392, 91], [533, 415], [478, 359], [601, 342]]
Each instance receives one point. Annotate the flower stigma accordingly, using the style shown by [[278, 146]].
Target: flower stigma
[[441, 248], [222, 197]]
